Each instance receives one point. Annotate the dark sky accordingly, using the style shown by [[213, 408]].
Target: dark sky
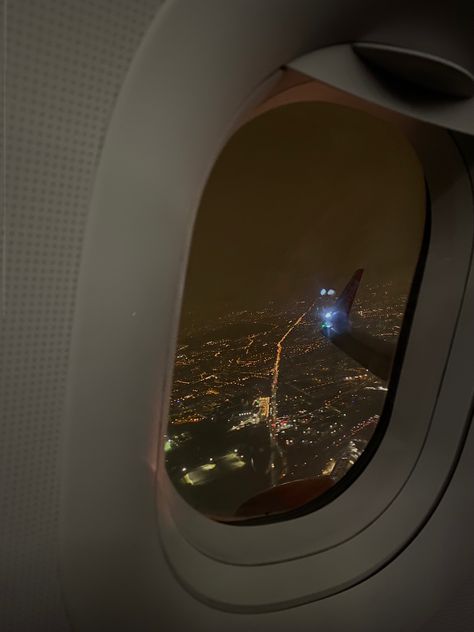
[[300, 197]]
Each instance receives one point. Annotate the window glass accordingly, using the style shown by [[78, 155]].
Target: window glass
[[304, 250]]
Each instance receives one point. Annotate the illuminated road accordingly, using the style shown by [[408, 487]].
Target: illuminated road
[[276, 366], [251, 341], [276, 374]]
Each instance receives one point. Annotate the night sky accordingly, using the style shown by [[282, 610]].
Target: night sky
[[299, 198]]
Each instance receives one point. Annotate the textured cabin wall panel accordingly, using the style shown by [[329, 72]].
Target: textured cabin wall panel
[[66, 62], [457, 613]]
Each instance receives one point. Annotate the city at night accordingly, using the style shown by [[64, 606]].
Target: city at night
[[267, 389], [268, 381]]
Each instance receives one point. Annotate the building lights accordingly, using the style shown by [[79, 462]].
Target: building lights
[[285, 385]]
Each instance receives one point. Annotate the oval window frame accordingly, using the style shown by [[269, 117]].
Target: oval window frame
[[193, 541], [305, 89], [108, 526]]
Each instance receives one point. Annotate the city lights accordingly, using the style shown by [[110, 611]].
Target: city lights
[[299, 407]]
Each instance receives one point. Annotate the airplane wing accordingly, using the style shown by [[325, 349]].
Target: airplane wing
[[344, 302], [372, 353]]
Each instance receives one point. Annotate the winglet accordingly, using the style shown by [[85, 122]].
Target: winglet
[[344, 302]]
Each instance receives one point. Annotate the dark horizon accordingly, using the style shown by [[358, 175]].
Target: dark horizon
[[288, 210]]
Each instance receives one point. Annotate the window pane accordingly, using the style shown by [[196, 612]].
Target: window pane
[[305, 247]]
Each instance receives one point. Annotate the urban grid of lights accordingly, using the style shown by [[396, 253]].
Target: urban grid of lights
[[286, 382]]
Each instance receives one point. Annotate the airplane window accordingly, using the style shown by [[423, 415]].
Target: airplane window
[[304, 254]]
